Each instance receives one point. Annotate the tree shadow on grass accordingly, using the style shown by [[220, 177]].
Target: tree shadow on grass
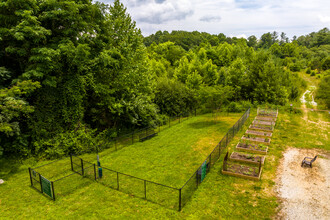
[[201, 124], [206, 124]]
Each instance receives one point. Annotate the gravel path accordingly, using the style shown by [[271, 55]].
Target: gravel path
[[304, 191]]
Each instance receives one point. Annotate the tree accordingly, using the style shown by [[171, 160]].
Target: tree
[[252, 41], [266, 40]]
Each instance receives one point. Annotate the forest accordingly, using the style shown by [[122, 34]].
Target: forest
[[75, 72]]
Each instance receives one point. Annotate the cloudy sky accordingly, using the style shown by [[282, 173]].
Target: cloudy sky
[[240, 18]]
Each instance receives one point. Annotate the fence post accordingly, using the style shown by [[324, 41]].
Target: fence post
[[71, 162], [95, 172], [117, 181], [52, 183], [82, 167], [180, 200], [40, 183], [30, 176], [145, 189]]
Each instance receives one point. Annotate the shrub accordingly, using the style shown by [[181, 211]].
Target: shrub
[[234, 107], [308, 71]]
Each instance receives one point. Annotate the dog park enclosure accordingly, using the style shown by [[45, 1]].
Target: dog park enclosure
[[165, 195]]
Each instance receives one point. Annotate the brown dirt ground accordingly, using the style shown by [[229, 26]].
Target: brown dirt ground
[[304, 192]]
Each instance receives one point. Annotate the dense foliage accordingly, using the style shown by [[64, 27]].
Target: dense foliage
[[72, 70]]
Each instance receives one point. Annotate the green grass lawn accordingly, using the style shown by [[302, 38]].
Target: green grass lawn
[[219, 196]]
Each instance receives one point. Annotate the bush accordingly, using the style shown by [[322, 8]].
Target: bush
[[313, 73], [308, 71], [234, 107]]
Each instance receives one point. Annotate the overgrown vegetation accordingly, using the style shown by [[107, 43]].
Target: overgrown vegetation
[[71, 70]]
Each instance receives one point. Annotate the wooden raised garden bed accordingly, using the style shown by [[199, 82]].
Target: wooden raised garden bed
[[247, 158], [259, 122], [243, 171], [259, 133], [267, 113], [257, 140], [252, 148], [265, 118], [261, 128]]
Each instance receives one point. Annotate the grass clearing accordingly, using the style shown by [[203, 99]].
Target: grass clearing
[[219, 196]]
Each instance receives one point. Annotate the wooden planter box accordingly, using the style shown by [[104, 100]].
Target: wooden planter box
[[262, 118], [243, 174], [259, 133], [251, 148], [247, 158], [261, 128], [257, 140], [266, 123]]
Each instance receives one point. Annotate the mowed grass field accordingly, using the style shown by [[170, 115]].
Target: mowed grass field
[[218, 197]]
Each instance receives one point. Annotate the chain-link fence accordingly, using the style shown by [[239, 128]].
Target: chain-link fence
[[78, 173]]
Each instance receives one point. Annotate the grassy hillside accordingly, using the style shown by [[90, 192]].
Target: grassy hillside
[[218, 196]]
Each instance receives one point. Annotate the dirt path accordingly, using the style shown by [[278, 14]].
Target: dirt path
[[304, 191]]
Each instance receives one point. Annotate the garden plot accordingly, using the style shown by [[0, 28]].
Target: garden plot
[[265, 118], [252, 148], [259, 133], [247, 158], [256, 140], [240, 170], [267, 113], [260, 127]]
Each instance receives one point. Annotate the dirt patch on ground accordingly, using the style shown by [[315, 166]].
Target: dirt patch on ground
[[303, 191]]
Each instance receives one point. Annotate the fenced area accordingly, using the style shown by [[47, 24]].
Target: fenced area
[[76, 170]]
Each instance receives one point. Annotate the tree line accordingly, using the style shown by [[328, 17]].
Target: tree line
[[75, 72]]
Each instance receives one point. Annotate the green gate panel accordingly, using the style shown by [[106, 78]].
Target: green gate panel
[[203, 171], [46, 186]]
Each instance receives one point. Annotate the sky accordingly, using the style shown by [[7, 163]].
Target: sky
[[234, 18]]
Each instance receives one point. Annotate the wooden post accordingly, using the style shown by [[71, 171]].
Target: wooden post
[[180, 203], [30, 176], [52, 183]]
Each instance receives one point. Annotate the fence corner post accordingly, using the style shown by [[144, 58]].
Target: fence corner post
[[82, 167], [30, 176], [71, 162], [95, 172], [180, 203], [52, 183]]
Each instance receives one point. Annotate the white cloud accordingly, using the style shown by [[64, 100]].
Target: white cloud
[[238, 17], [324, 19]]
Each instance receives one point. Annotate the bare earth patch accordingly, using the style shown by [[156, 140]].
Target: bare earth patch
[[304, 191]]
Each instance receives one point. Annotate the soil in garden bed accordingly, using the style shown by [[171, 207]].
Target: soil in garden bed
[[259, 127], [257, 139], [259, 122], [265, 118], [243, 169], [259, 133], [253, 147], [250, 158]]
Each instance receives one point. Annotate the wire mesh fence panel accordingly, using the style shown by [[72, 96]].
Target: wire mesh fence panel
[[35, 180], [109, 178], [89, 172], [70, 184], [189, 188], [55, 169], [162, 195], [131, 185], [215, 155], [77, 165]]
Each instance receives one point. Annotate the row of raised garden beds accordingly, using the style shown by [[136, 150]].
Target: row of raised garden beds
[[256, 139]]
